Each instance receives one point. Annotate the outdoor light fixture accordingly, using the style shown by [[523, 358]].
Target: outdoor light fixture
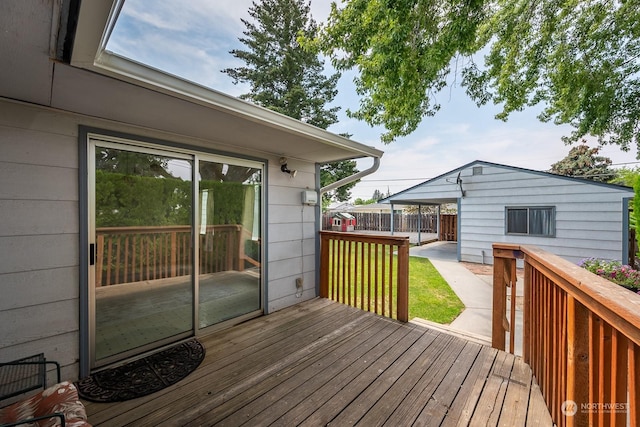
[[285, 169]]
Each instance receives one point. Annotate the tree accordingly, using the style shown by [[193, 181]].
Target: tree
[[580, 59], [377, 196], [626, 176], [287, 78], [630, 178], [131, 163], [584, 162], [336, 171]]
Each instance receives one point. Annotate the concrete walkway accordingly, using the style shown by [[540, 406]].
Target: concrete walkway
[[474, 290], [475, 293]]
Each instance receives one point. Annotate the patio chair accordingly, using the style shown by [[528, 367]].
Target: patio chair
[[58, 405]]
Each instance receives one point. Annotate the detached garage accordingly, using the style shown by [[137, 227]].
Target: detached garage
[[571, 217]]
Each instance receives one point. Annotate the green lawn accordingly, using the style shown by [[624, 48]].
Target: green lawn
[[430, 297], [366, 267]]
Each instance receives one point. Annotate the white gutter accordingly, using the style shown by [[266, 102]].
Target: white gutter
[[350, 179]]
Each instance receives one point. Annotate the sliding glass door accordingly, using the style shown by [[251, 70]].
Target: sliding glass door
[[170, 255], [143, 286], [229, 240]]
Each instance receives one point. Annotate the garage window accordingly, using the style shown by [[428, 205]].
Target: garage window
[[532, 221]]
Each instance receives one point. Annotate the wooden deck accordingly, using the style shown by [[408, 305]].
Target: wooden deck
[[321, 363]]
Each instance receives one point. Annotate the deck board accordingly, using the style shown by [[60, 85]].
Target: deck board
[[324, 363]]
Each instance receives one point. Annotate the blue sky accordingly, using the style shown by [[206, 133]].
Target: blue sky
[[192, 40]]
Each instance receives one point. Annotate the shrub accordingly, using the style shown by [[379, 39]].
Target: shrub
[[614, 271]]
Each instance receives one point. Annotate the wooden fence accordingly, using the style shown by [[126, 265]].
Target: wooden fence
[[382, 222], [581, 336], [448, 228], [133, 254], [365, 271], [633, 249]]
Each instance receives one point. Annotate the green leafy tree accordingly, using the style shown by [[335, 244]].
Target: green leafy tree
[[626, 176], [359, 201], [579, 59], [636, 208], [287, 78], [584, 162], [630, 178]]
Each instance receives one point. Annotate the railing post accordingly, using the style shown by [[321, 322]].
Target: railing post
[[99, 258], [240, 248], [174, 254], [403, 281], [499, 302], [513, 293], [577, 360], [527, 334], [324, 266], [229, 250]]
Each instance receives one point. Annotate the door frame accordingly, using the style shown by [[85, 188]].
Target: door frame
[[86, 205]]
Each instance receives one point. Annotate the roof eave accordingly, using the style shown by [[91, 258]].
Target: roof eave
[[95, 19]]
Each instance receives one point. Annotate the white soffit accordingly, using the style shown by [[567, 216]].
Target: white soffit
[[95, 20]]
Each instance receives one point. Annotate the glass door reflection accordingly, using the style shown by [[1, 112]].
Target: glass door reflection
[[229, 241], [143, 288]]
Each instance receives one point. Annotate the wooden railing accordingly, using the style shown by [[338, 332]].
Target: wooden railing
[[580, 335], [133, 254], [366, 271]]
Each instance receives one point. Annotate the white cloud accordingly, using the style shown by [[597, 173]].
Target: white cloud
[[192, 15]]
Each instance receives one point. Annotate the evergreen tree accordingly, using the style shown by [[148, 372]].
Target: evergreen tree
[[584, 162], [286, 78]]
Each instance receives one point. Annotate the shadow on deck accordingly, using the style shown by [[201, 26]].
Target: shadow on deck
[[322, 362]]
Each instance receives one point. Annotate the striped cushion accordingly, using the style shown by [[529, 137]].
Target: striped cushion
[[62, 397]]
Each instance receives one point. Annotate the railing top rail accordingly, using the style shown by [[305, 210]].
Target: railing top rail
[[366, 238], [617, 306]]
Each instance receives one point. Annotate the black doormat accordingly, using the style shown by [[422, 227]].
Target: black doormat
[[144, 376]]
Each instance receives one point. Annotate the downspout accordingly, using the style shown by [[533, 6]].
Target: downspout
[[333, 186], [350, 179]]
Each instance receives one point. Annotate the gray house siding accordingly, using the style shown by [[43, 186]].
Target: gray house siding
[[39, 235], [291, 236], [39, 231], [588, 216]]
